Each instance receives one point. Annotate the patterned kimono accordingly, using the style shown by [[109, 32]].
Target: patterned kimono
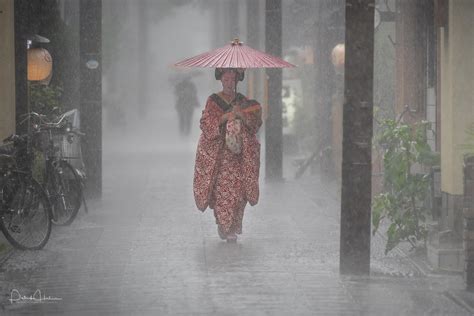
[[225, 181]]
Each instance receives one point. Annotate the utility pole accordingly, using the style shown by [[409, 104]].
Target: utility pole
[[274, 124], [90, 43], [357, 138]]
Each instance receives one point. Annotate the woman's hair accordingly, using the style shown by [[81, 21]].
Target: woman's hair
[[239, 71]]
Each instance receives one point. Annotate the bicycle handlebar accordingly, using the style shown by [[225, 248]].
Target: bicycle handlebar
[[45, 124], [42, 118]]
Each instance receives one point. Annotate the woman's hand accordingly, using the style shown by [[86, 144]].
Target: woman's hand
[[238, 112], [226, 117]]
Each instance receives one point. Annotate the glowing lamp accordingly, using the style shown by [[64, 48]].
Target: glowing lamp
[[338, 55], [40, 64]]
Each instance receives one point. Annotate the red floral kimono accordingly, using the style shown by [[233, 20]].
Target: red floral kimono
[[225, 181]]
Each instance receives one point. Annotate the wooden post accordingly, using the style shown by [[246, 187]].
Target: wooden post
[[411, 58], [91, 92], [21, 14], [357, 138], [8, 67], [253, 40], [274, 123], [143, 31]]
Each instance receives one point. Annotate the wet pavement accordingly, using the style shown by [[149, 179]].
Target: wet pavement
[[144, 249]]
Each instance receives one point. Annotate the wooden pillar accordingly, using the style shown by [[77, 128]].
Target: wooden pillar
[[274, 124], [411, 58], [357, 138], [144, 49], [328, 32], [441, 25], [320, 96], [253, 40], [21, 13], [91, 92], [7, 66]]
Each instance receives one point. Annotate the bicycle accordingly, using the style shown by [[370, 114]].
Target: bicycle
[[63, 182], [25, 211]]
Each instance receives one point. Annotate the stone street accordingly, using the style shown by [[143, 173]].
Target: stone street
[[144, 249]]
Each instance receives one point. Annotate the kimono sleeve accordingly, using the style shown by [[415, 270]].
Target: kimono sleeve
[[210, 120], [253, 120]]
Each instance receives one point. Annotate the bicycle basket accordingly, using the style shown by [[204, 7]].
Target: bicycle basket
[[68, 145]]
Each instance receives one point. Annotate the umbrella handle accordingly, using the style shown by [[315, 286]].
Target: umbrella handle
[[235, 88]]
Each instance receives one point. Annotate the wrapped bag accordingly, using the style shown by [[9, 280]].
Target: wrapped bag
[[233, 137]]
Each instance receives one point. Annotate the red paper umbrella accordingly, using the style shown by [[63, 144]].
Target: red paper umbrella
[[235, 55]]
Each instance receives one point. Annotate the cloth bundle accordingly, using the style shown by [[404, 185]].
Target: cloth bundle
[[233, 137]]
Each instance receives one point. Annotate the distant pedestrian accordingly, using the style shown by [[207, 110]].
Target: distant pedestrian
[[228, 155], [186, 101]]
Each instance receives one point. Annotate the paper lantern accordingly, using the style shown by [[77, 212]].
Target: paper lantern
[[40, 64], [338, 55]]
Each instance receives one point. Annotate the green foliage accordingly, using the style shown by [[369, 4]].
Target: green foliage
[[402, 204], [468, 147], [44, 98]]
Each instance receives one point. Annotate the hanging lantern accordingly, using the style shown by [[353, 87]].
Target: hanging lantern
[[40, 64], [338, 55]]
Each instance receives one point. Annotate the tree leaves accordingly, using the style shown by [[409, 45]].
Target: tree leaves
[[406, 155], [44, 98]]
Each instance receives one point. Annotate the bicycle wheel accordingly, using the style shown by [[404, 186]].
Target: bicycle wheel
[[65, 192], [25, 218]]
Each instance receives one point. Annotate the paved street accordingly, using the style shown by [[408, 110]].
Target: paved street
[[144, 249]]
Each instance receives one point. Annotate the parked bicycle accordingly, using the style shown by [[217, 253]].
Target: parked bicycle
[[25, 211], [63, 182]]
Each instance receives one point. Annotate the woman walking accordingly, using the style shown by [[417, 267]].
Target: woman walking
[[228, 155]]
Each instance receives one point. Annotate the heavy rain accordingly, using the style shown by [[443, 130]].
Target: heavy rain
[[236, 157]]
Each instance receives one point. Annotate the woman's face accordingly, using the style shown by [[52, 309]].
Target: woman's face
[[228, 82]]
